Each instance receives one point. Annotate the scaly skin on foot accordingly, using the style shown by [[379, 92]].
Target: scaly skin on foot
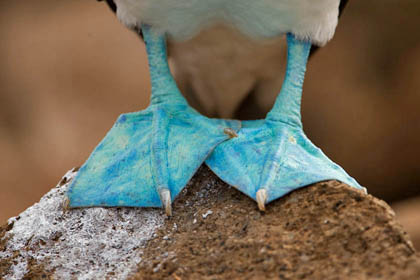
[[148, 157], [273, 157]]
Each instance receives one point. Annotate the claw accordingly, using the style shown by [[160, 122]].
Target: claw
[[165, 197], [230, 132], [261, 199], [66, 204]]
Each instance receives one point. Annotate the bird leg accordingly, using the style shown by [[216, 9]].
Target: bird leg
[[148, 157], [273, 157]]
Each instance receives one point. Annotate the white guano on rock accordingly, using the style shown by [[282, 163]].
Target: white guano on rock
[[89, 243]]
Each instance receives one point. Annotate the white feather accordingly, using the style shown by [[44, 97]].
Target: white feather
[[313, 20]]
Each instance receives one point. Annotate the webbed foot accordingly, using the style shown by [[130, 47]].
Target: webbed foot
[[147, 158], [273, 157]]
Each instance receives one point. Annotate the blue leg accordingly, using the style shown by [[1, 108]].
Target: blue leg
[[273, 157], [149, 156]]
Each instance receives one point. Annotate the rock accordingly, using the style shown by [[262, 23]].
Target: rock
[[408, 214], [46, 241], [325, 231]]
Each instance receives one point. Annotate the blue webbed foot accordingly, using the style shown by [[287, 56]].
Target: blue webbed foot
[[273, 157], [149, 156], [270, 160]]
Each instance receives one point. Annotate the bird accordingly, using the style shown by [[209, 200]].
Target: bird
[[227, 58], [251, 95]]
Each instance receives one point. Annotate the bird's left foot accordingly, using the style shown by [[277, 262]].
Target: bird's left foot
[[273, 157]]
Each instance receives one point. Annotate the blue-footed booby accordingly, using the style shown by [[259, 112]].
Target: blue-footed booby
[[223, 52]]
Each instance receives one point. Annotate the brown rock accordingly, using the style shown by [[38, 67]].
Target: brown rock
[[325, 231], [408, 214]]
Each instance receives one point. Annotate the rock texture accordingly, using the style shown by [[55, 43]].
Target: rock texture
[[408, 214], [94, 243], [325, 231]]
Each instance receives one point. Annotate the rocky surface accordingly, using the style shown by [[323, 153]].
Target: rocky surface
[[47, 241], [408, 214], [325, 231]]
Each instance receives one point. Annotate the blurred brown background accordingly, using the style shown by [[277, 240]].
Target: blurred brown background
[[68, 69]]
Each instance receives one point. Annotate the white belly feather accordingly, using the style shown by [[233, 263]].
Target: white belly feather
[[313, 20]]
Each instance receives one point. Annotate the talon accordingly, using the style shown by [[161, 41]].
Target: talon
[[66, 204], [165, 197], [261, 199], [230, 132]]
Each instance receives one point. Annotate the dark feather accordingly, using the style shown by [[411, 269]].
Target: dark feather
[[111, 5]]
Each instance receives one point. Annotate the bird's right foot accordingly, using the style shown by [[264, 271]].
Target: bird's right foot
[[148, 157]]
